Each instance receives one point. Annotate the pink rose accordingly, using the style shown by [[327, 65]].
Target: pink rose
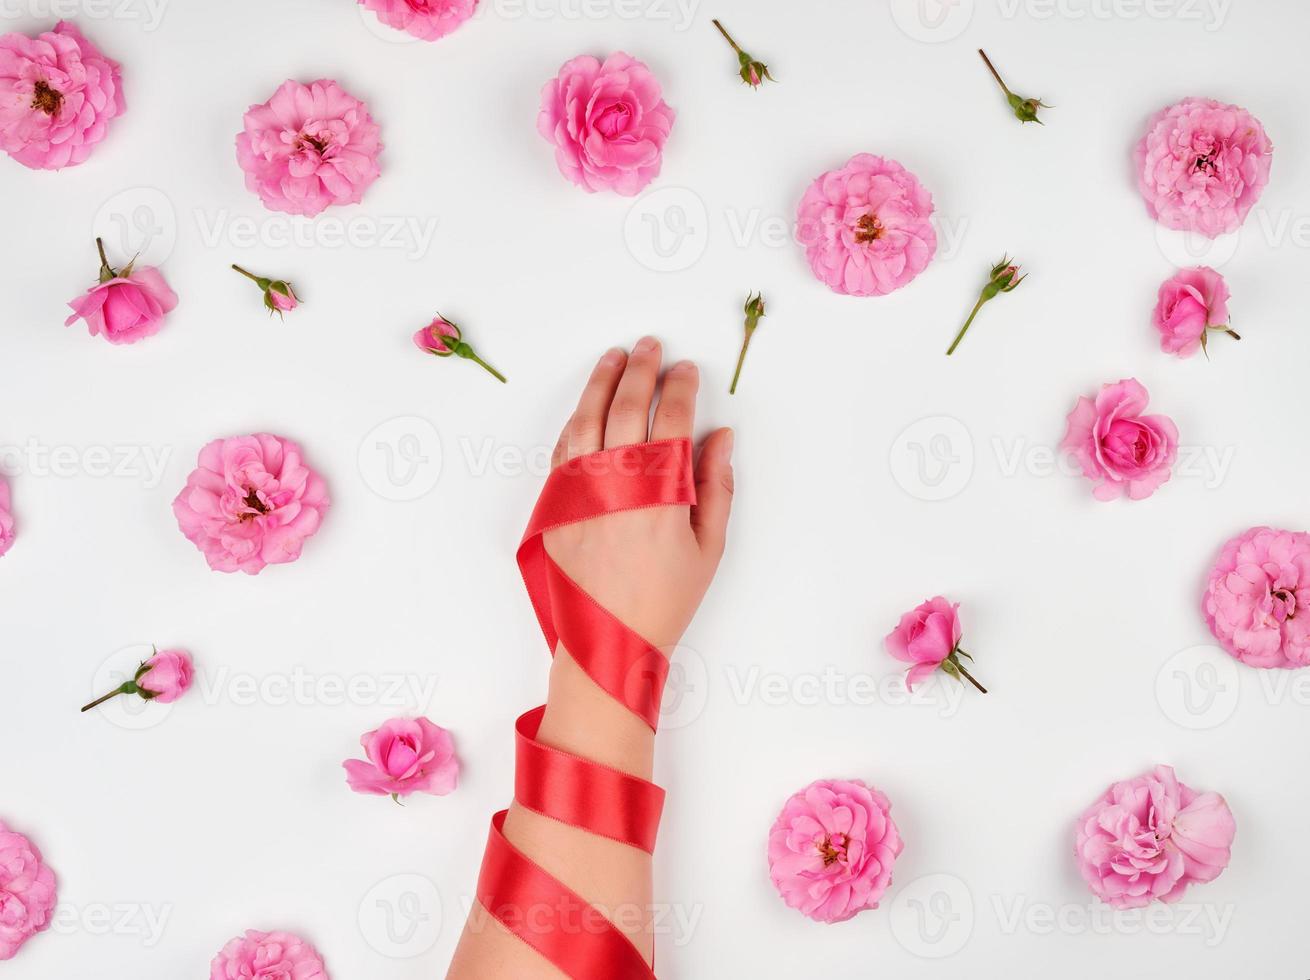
[[279, 295], [425, 19], [1257, 599], [268, 956], [1149, 838], [429, 338], [1191, 302], [1113, 442], [405, 755], [124, 307], [925, 637], [308, 147], [608, 123], [865, 227], [1202, 165], [166, 676], [27, 892], [251, 502], [832, 849], [6, 517], [57, 96]]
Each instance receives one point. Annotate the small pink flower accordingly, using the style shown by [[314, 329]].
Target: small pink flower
[[57, 96], [27, 892], [1191, 302], [928, 637], [1150, 837], [865, 227], [309, 147], [608, 122], [1116, 444], [405, 755], [1257, 599], [427, 20], [279, 295], [443, 338], [1202, 165], [832, 849], [251, 502], [6, 517], [165, 677], [124, 307], [268, 956]]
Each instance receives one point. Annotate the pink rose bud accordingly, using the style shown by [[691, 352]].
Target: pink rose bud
[[1123, 450], [1025, 110], [443, 338], [27, 892], [279, 297], [124, 306], [405, 755], [1191, 303], [1004, 278], [752, 72], [268, 954], [6, 517], [165, 677], [928, 637], [754, 310]]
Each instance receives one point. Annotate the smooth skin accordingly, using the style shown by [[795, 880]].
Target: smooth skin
[[651, 568]]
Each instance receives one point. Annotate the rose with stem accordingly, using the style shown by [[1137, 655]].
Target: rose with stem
[[1025, 110], [754, 310]]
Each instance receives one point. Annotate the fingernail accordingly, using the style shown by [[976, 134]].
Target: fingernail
[[612, 357], [645, 344], [683, 366], [728, 439]]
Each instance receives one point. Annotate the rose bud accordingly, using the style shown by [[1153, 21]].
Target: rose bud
[[754, 309], [928, 637], [1025, 110], [279, 297], [405, 755], [123, 307], [752, 72], [1190, 304], [165, 677], [443, 338], [1004, 278]]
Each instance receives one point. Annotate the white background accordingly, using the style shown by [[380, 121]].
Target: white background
[[231, 810]]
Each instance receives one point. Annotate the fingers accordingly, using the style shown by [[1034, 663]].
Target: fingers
[[629, 412], [586, 430], [714, 486], [677, 407], [561, 447]]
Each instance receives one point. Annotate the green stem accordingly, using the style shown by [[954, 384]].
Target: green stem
[[249, 275], [741, 359], [494, 373], [964, 329], [128, 688], [726, 36], [106, 270], [995, 74], [968, 676], [1232, 333]]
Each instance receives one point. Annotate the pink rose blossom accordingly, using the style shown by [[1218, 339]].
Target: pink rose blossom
[[167, 676], [1190, 302], [309, 147], [832, 849], [1257, 599], [251, 502], [6, 517], [27, 892], [1116, 444], [608, 123], [866, 227], [429, 339], [124, 307], [405, 755], [427, 20], [268, 956], [925, 637], [1150, 837], [1202, 165], [57, 96]]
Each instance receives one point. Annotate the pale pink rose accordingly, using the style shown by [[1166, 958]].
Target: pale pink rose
[[268, 956], [608, 123], [1202, 165], [251, 502], [1257, 599], [1150, 837], [57, 96], [27, 892], [832, 849], [1190, 302], [405, 755], [127, 308], [309, 147], [166, 676], [865, 227], [425, 19], [926, 636], [6, 517], [1115, 444]]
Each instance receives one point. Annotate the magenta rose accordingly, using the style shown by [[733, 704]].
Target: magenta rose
[[268, 956], [832, 849], [1190, 302], [425, 19], [251, 502], [608, 123], [1257, 598], [6, 517], [124, 307], [1202, 165], [405, 755], [925, 637], [57, 96], [1118, 446], [27, 892], [309, 147], [1150, 837], [865, 227]]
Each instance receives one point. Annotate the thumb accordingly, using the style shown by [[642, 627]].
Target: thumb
[[714, 487]]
